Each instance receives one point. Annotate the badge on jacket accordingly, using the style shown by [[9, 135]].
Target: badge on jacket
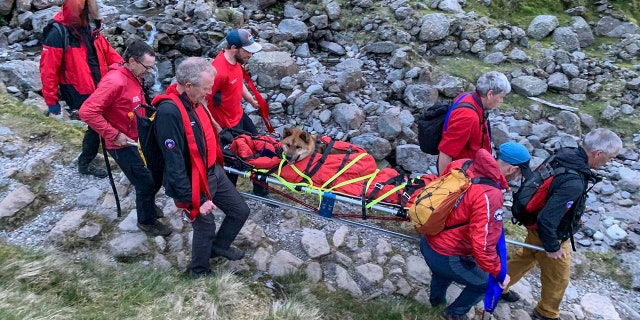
[[169, 144], [498, 215]]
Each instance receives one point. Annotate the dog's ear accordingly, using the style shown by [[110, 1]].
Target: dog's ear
[[286, 132], [305, 137]]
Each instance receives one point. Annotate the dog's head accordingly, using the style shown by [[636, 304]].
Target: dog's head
[[297, 144]]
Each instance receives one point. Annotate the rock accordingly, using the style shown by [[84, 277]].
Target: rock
[[420, 96], [272, 64], [345, 282], [541, 26], [378, 147], [528, 86], [89, 197], [435, 26], [295, 29], [258, 4], [129, 245], [418, 270], [314, 242], [66, 227], [597, 306], [370, 273], [15, 201], [283, 263], [566, 38], [23, 74], [348, 116], [582, 31], [410, 158], [340, 235]]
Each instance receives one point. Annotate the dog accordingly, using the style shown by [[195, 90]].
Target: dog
[[297, 144]]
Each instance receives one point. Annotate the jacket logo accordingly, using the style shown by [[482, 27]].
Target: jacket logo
[[498, 215], [135, 99], [169, 144], [569, 205], [193, 123], [234, 81]]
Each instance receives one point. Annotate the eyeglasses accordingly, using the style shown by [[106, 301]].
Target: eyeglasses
[[147, 68]]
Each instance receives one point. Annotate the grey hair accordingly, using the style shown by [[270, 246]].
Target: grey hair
[[602, 139], [191, 69], [493, 80]]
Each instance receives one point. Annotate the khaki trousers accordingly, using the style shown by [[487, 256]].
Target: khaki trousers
[[554, 273]]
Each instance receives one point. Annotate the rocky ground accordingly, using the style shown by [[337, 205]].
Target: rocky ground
[[360, 71]]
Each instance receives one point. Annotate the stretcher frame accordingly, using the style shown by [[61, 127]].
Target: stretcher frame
[[327, 201]]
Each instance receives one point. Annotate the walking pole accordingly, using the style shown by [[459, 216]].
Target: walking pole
[[113, 184]]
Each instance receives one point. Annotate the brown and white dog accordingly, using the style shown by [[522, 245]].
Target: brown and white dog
[[297, 144]]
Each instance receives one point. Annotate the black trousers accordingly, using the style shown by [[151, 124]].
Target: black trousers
[[90, 147], [225, 196], [131, 164]]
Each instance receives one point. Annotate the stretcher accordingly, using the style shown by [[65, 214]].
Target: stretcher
[[327, 202]]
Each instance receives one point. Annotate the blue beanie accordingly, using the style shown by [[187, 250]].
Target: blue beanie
[[514, 154]]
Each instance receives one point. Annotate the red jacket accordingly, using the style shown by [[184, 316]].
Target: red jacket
[[75, 81], [225, 100], [109, 110], [481, 206], [463, 135]]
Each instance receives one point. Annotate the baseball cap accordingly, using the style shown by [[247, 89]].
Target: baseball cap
[[242, 38], [514, 154]]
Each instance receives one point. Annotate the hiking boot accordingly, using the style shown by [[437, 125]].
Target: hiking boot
[[446, 315], [159, 213], [198, 275], [231, 253], [91, 169], [155, 229], [510, 296], [537, 315]]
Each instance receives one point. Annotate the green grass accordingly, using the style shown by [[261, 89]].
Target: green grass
[[607, 266], [32, 126], [45, 285]]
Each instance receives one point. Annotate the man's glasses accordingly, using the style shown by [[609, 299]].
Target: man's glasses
[[151, 68]]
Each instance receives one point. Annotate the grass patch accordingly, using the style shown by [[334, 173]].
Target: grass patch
[[607, 266], [31, 125], [39, 285]]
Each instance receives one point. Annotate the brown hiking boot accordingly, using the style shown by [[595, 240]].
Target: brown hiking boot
[[538, 316], [155, 229], [230, 253]]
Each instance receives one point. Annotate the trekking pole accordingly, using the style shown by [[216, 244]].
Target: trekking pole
[[526, 245], [113, 184]]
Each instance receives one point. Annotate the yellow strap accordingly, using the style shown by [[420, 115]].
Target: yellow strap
[[384, 196], [345, 168]]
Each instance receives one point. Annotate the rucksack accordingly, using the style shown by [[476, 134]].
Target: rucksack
[[433, 121], [531, 196], [147, 143], [62, 30], [432, 207]]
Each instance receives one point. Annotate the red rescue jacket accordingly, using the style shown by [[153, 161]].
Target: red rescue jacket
[[109, 110], [481, 206], [74, 82]]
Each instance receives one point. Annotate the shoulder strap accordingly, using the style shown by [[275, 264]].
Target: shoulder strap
[[198, 171], [485, 181], [62, 30]]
